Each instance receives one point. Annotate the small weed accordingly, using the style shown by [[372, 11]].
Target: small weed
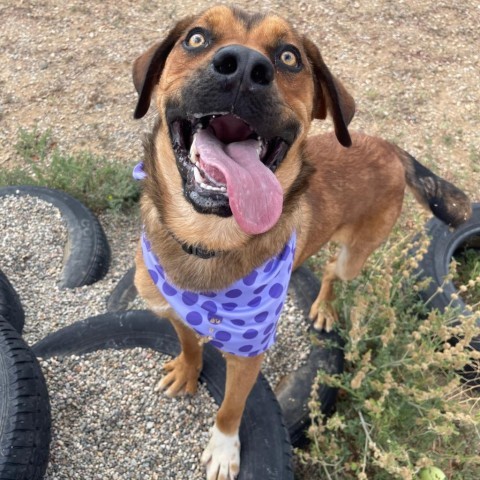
[[372, 94], [403, 405], [474, 156], [448, 140], [465, 268], [81, 9], [34, 146], [97, 182]]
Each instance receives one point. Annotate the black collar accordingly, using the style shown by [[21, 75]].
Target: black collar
[[197, 251]]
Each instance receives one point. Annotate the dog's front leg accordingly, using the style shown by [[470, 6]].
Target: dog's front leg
[[222, 455], [184, 370]]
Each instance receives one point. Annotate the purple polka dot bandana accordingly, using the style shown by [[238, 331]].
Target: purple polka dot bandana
[[138, 172], [241, 319]]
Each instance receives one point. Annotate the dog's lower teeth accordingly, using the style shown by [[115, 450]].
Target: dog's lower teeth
[[212, 188], [200, 180]]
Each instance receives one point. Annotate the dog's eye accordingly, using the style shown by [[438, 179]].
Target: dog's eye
[[197, 38], [289, 58]]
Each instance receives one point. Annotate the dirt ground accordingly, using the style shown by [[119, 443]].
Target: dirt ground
[[413, 68]]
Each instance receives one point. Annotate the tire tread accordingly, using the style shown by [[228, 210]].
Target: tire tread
[[25, 435]]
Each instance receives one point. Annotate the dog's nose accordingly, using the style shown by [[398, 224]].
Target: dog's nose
[[242, 65]]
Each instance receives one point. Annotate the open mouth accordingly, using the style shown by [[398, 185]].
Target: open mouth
[[228, 168]]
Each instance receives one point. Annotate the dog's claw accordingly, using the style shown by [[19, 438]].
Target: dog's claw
[[323, 317], [222, 456]]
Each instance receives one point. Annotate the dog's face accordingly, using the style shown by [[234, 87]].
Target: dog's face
[[236, 94]]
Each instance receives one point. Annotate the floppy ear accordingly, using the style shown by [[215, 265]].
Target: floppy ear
[[330, 95], [148, 67]]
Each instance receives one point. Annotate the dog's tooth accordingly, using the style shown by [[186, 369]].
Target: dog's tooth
[[193, 151], [259, 147], [197, 175]]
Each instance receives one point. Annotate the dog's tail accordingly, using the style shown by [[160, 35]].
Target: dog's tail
[[445, 200]]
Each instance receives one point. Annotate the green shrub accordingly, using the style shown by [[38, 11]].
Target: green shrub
[[94, 180], [465, 268], [402, 404]]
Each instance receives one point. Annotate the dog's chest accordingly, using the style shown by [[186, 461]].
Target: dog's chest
[[240, 319]]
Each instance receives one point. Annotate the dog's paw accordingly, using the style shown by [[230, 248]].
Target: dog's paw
[[182, 377], [222, 456], [323, 316]]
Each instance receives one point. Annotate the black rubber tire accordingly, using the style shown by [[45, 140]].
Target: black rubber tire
[[294, 392], [266, 450], [326, 354], [123, 294], [435, 263], [87, 253], [24, 410], [10, 306]]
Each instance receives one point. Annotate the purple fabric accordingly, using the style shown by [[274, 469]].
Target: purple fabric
[[138, 172], [240, 319]]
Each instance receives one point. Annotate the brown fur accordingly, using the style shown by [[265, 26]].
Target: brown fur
[[350, 195]]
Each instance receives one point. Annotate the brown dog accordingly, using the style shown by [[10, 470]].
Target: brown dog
[[231, 182]]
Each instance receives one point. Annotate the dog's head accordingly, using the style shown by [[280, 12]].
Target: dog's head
[[238, 93]]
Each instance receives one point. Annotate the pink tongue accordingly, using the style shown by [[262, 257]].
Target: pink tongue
[[255, 196]]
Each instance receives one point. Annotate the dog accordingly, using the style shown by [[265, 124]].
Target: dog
[[235, 195]]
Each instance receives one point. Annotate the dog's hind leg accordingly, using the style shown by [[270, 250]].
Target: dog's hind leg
[[345, 267], [222, 454], [322, 312], [365, 237]]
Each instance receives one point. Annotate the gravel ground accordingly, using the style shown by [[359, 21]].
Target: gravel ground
[[104, 404], [32, 255], [108, 421]]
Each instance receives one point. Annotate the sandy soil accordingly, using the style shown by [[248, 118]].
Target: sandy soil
[[413, 68]]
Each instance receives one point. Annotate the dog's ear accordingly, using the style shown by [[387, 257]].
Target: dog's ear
[[148, 67], [330, 95]]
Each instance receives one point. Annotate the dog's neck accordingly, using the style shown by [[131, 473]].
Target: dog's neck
[[196, 250]]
